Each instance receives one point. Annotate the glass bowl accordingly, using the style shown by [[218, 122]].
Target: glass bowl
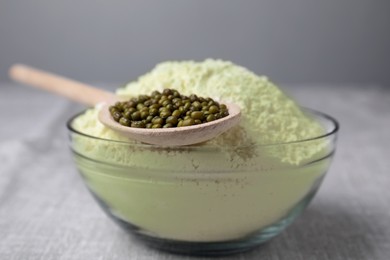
[[203, 200]]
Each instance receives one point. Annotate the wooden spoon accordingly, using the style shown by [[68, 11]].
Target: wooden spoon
[[92, 96]]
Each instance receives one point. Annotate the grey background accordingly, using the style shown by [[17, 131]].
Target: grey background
[[45, 210], [294, 41]]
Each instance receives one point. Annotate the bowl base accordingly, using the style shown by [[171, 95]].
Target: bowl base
[[211, 248]]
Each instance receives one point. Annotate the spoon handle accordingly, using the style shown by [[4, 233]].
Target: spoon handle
[[73, 90]]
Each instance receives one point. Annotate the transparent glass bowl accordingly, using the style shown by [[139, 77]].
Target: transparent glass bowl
[[202, 200]]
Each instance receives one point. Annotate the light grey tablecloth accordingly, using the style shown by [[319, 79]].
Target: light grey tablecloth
[[47, 213]]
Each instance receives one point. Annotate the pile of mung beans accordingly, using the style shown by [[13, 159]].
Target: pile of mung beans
[[167, 109]]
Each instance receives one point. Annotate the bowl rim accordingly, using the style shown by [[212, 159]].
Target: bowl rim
[[333, 131]]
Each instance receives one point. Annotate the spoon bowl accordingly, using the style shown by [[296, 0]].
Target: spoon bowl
[[177, 136]]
